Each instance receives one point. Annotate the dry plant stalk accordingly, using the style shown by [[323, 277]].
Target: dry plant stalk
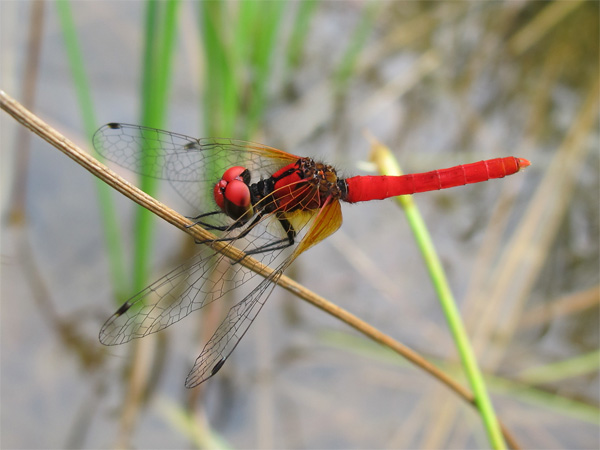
[[53, 137]]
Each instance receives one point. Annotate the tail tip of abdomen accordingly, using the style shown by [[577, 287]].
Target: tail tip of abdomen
[[523, 163]]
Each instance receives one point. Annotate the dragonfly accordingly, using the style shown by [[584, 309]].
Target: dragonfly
[[258, 198]]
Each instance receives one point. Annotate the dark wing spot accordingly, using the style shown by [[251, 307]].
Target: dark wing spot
[[217, 367], [114, 125], [123, 309]]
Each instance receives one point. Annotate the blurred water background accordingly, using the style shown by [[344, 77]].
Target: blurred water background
[[441, 83]]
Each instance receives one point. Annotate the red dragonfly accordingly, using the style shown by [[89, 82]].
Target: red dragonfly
[[263, 200]]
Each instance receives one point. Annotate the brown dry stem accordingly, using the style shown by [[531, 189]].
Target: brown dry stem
[[53, 137]]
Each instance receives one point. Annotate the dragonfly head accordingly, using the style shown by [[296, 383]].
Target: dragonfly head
[[232, 194]]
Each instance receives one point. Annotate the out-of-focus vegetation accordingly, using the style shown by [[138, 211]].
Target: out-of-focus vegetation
[[439, 82]]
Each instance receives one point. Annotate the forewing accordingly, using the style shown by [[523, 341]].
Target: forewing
[[193, 166]]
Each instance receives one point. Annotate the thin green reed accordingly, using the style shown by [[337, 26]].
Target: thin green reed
[[239, 42], [160, 35], [387, 165], [358, 39], [84, 97], [220, 92], [160, 27], [259, 21], [300, 30]]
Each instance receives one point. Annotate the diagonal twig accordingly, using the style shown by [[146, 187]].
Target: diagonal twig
[[46, 132]]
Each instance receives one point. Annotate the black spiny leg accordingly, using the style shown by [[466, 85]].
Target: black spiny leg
[[200, 216], [280, 244], [210, 226], [271, 246], [233, 226]]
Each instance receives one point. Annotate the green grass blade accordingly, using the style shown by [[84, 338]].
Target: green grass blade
[[516, 389], [198, 433], [266, 18], [107, 211], [295, 47], [161, 24], [344, 72], [239, 42], [580, 365], [161, 21], [549, 401], [221, 96], [387, 165]]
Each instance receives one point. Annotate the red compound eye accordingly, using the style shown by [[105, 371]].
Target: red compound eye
[[233, 173], [219, 194], [238, 194], [232, 194]]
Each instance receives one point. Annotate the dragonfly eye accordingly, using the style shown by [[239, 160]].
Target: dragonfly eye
[[219, 194], [236, 173], [232, 194], [236, 199]]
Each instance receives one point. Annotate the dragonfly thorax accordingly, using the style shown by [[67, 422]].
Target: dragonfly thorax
[[306, 185]]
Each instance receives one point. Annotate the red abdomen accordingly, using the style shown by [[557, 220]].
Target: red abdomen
[[361, 189]]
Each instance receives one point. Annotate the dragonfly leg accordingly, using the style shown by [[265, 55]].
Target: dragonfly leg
[[209, 226], [199, 216], [233, 226], [285, 242], [279, 244], [269, 247], [204, 224]]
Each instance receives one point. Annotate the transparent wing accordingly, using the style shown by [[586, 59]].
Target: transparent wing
[[240, 316], [193, 166], [231, 331], [204, 278]]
